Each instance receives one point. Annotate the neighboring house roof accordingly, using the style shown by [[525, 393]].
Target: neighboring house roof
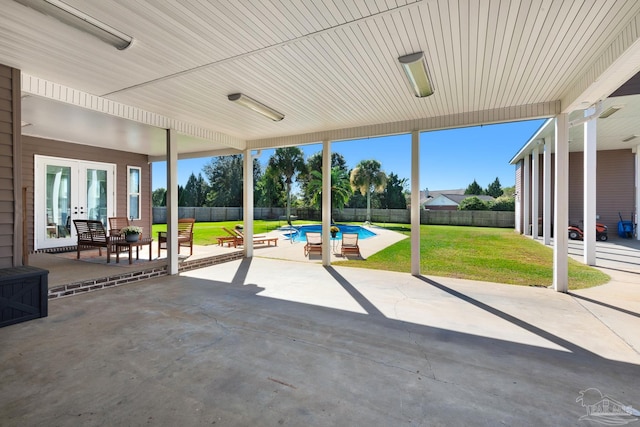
[[454, 199], [427, 195]]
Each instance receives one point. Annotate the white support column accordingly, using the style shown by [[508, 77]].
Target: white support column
[[546, 217], [561, 207], [172, 202], [589, 190], [415, 203], [526, 196], [637, 216], [247, 196], [535, 191], [326, 203]]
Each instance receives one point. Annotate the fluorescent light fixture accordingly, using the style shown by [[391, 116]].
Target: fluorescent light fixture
[[256, 106], [629, 138], [80, 21], [609, 111], [415, 67]]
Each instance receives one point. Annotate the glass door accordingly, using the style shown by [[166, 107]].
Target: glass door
[[67, 190]]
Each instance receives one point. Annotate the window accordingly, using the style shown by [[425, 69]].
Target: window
[[133, 192]]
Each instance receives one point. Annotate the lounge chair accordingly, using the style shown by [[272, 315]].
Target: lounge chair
[[258, 239], [350, 244], [314, 243], [231, 239], [185, 235]]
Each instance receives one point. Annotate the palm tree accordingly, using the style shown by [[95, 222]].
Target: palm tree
[[287, 162], [340, 187], [367, 177]]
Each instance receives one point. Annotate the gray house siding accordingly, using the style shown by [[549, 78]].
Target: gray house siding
[[615, 188], [32, 146], [10, 196]]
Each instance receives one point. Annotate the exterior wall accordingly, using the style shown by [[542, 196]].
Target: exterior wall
[[615, 187], [10, 195], [32, 146]]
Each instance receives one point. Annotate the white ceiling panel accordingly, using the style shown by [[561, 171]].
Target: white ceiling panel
[[326, 64]]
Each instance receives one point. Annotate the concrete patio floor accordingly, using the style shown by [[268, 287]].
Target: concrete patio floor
[[274, 342]]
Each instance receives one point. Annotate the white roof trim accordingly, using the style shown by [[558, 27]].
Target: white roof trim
[[528, 146]]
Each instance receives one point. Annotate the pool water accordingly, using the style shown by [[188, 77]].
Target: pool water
[[301, 234]]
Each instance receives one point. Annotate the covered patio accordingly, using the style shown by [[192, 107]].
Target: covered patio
[[169, 82], [260, 341]]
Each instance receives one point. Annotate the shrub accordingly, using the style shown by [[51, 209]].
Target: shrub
[[504, 203], [473, 204]]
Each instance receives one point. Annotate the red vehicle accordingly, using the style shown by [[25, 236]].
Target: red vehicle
[[576, 233]]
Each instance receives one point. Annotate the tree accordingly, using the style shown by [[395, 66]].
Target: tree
[[225, 175], [195, 191], [393, 196], [340, 188], [474, 189], [225, 179], [314, 163], [271, 190], [473, 204], [287, 162], [367, 177], [159, 197], [494, 189], [509, 191]]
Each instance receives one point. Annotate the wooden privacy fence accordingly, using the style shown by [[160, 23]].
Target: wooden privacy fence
[[467, 218]]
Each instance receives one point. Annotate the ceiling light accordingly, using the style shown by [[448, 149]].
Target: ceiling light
[[609, 111], [81, 21], [629, 138], [415, 67], [256, 106]]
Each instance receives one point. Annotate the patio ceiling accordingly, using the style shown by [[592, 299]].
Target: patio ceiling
[[330, 66]]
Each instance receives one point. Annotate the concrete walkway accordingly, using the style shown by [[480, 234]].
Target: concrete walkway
[[273, 342]]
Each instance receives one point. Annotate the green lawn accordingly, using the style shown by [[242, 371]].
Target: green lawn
[[486, 254]]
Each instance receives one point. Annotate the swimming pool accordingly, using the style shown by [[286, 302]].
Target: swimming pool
[[301, 234]]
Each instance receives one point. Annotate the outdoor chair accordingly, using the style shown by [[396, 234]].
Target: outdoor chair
[[350, 244], [257, 239], [91, 233], [231, 239], [185, 235], [314, 243], [117, 223]]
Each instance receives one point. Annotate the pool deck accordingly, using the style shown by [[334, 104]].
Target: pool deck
[[294, 251]]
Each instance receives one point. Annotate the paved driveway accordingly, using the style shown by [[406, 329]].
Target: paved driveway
[[268, 342]]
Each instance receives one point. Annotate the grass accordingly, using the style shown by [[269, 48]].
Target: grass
[[474, 253], [206, 233]]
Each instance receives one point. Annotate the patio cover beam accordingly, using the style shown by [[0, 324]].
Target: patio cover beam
[[535, 191], [416, 209], [326, 203], [546, 184], [172, 202], [247, 193], [589, 187], [561, 207]]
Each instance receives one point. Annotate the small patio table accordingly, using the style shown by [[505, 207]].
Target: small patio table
[[130, 245]]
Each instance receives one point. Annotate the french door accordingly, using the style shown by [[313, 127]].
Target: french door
[[66, 190]]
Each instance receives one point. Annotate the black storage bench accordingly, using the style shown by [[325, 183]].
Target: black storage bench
[[23, 294]]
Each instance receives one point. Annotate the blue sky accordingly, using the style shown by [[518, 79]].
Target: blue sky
[[449, 159]]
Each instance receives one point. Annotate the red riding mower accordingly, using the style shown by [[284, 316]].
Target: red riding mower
[[576, 233]]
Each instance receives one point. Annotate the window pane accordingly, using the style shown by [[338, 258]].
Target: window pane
[[134, 206], [134, 181]]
